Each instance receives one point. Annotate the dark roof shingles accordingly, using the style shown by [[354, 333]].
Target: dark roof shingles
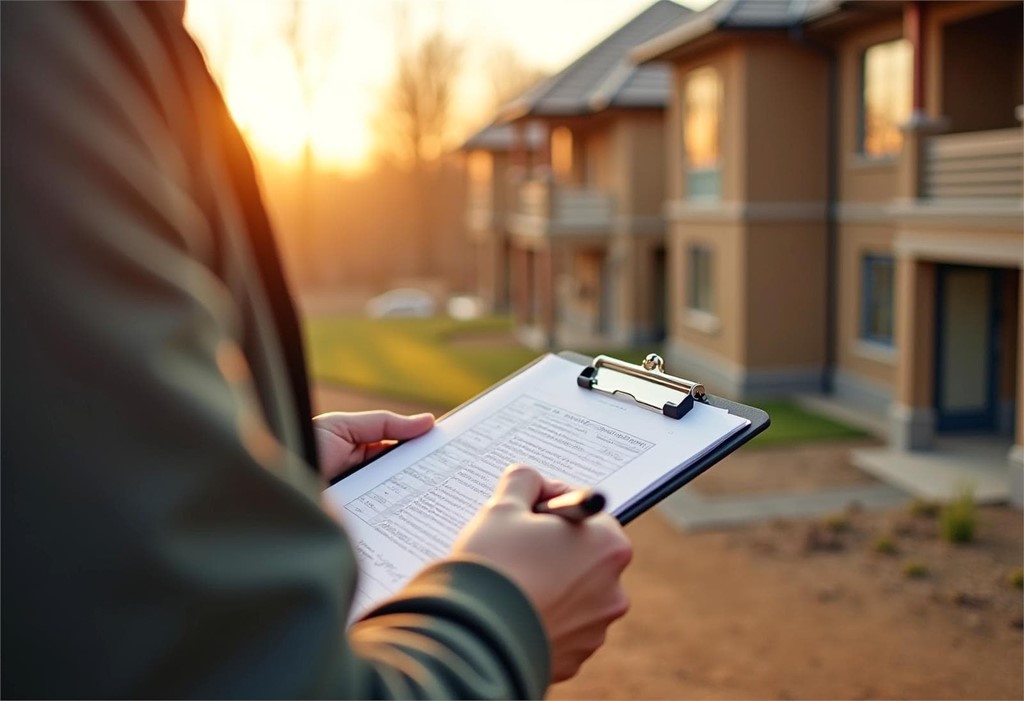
[[601, 76]]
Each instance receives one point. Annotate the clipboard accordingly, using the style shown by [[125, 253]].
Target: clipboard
[[410, 510], [651, 380], [652, 373]]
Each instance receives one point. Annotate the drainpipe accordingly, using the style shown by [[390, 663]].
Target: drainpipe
[[797, 35]]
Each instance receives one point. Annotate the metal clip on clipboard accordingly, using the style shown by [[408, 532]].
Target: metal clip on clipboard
[[647, 384]]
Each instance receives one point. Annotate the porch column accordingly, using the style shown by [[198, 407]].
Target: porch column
[[912, 415], [914, 31], [518, 154], [545, 277], [1016, 456], [520, 285], [920, 125], [542, 165]]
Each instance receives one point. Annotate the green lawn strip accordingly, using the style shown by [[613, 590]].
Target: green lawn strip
[[791, 425], [412, 359], [426, 360]]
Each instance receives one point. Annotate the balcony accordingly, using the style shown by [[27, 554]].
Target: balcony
[[984, 166], [544, 208]]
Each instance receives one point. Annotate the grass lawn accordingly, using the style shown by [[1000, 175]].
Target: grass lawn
[[442, 362], [437, 361]]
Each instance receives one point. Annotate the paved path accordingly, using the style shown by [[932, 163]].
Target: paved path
[[686, 509]]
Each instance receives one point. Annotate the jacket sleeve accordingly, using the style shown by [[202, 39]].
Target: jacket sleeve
[[158, 540]]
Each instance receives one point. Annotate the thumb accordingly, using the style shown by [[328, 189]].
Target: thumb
[[519, 485]]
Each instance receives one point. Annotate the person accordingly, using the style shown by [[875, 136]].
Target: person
[[162, 531]]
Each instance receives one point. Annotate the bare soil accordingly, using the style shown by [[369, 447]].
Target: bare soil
[[808, 610]]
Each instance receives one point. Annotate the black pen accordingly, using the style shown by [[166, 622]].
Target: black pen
[[575, 507]]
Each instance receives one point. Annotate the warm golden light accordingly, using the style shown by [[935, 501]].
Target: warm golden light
[[351, 48], [263, 89]]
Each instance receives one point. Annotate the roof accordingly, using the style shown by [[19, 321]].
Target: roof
[[501, 137], [604, 76], [734, 15]]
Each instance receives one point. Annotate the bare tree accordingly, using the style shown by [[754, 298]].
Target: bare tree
[[509, 75], [415, 120], [311, 46], [415, 123]]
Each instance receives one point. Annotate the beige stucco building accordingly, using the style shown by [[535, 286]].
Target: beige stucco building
[[581, 249], [844, 205]]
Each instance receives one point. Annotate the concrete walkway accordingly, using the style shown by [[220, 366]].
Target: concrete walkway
[[978, 464], [688, 510]]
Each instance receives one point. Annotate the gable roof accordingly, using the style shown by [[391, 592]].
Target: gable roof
[[501, 137], [604, 76], [734, 15]]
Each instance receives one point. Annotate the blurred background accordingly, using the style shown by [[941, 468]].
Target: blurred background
[[814, 206]]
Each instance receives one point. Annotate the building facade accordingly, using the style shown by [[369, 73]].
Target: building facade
[[845, 209], [585, 247]]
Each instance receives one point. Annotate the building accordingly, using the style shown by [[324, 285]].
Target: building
[[585, 227], [845, 214], [492, 177]]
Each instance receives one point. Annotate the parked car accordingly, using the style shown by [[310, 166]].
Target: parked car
[[465, 307], [403, 301]]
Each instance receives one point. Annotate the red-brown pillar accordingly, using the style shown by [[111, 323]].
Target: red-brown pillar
[[519, 285], [914, 31]]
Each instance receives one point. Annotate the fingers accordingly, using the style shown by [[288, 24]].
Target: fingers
[[373, 426], [525, 486], [554, 488], [519, 485]]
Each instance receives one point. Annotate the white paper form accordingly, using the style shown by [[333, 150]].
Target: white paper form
[[405, 509]]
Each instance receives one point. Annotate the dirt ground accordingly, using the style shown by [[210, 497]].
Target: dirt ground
[[806, 609], [792, 609]]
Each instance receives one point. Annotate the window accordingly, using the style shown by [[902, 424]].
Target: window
[[699, 292], [561, 154], [702, 108], [886, 97], [877, 280]]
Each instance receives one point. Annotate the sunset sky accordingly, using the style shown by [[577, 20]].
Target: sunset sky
[[352, 45]]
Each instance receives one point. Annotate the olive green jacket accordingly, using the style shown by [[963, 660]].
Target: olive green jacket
[[161, 528]]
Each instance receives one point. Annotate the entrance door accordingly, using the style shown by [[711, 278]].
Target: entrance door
[[966, 348]]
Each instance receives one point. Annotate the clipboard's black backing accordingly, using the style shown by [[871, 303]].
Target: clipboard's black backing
[[759, 421]]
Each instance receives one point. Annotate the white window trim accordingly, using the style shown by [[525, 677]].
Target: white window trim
[[702, 321], [877, 352]]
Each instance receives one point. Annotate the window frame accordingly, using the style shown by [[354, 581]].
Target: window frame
[[868, 271], [694, 255]]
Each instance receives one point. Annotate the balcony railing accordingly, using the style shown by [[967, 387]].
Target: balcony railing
[[984, 165], [546, 208]]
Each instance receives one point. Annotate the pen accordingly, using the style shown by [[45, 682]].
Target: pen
[[574, 507]]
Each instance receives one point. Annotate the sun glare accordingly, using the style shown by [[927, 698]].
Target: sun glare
[[262, 88]]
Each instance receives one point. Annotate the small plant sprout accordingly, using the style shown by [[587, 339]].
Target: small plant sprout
[[1016, 578], [915, 570], [885, 545], [958, 519]]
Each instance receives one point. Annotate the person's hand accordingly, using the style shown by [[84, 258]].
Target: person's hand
[[570, 572], [344, 440]]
